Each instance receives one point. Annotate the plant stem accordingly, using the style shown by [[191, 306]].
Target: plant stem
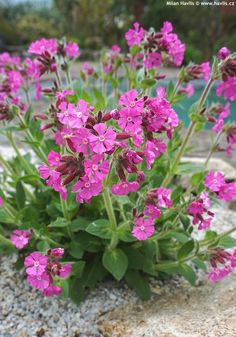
[[188, 135], [109, 207], [26, 165], [213, 148]]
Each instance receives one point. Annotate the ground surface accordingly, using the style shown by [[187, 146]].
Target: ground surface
[[112, 310]]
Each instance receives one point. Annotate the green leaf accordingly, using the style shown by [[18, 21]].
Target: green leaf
[[80, 223], [89, 242], [76, 290], [64, 283], [20, 195], [185, 220], [197, 178], [94, 271], [147, 83], [170, 90], [124, 233], [134, 49], [185, 168], [43, 246], [139, 283], [75, 250], [200, 264], [28, 114], [5, 218], [59, 222], [100, 228], [188, 273], [100, 100], [31, 179], [227, 242], [181, 237], [77, 268], [135, 258], [116, 262], [185, 250]]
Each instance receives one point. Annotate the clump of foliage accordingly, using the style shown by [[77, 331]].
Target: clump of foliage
[[97, 193]]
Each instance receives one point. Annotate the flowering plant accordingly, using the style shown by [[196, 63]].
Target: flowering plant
[[98, 192]]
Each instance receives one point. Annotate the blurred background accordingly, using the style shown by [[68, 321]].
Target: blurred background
[[98, 23]]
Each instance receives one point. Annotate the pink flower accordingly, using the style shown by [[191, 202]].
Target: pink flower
[[214, 181], [153, 149], [227, 191], [228, 87], [172, 44], [56, 252], [86, 189], [115, 49], [35, 264], [87, 69], [223, 113], [223, 53], [206, 70], [143, 229], [205, 200], [134, 36], [80, 140], [72, 50], [96, 168], [15, 80], [40, 282], [65, 270], [104, 138], [218, 274], [54, 158], [195, 208], [129, 120], [20, 238], [153, 60], [44, 171], [130, 100], [40, 46], [52, 290], [163, 199], [72, 116], [125, 187], [188, 90], [152, 211]]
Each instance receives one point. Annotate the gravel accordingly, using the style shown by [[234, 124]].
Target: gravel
[[24, 312]]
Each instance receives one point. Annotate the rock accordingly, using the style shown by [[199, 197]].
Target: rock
[[208, 311], [215, 164]]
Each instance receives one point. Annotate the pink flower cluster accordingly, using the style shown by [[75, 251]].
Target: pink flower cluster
[[144, 222], [227, 262], [20, 238], [228, 71], [215, 182], [199, 210], [91, 140], [43, 270], [161, 46]]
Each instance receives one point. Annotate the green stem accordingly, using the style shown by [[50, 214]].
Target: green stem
[[26, 165], [188, 135], [213, 148], [109, 207], [38, 151]]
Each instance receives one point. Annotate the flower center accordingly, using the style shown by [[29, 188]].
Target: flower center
[[85, 141], [39, 278], [21, 237], [95, 167], [142, 228], [79, 114], [132, 104], [87, 185], [36, 264], [101, 138], [66, 113], [129, 119]]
